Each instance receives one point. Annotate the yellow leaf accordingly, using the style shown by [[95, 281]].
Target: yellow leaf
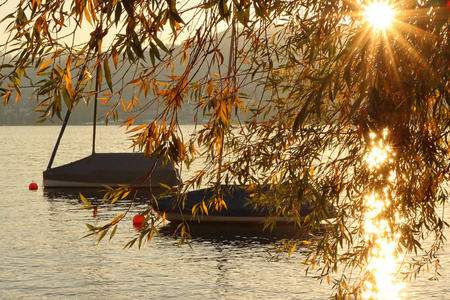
[[173, 77], [136, 81], [116, 219], [210, 87], [205, 209], [293, 249], [272, 38], [60, 71], [150, 235], [85, 201], [224, 204], [88, 17], [45, 64]]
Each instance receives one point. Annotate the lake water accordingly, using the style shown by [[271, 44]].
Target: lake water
[[43, 255]]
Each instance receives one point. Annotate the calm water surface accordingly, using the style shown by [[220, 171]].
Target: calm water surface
[[44, 257]]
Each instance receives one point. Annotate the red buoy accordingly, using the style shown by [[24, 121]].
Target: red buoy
[[138, 221], [33, 186]]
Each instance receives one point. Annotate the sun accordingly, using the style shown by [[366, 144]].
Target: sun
[[379, 14]]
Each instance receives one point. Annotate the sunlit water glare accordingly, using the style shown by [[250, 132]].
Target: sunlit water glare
[[383, 263], [44, 257]]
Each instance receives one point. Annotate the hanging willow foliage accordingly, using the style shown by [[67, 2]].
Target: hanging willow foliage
[[309, 90]]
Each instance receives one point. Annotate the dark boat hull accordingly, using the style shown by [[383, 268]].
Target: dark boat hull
[[238, 209], [111, 169]]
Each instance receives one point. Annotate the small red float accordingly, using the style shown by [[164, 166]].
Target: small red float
[[138, 221], [33, 186]]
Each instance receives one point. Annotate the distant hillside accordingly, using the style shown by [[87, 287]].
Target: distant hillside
[[21, 113]]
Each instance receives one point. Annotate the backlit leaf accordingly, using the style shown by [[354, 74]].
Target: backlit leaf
[[85, 201], [108, 75]]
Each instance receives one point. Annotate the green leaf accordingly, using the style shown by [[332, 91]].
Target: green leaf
[[302, 114], [356, 105], [20, 71], [107, 74], [209, 4], [160, 44], [4, 66], [130, 243], [128, 5], [99, 75], [85, 201], [152, 57], [136, 45], [66, 97], [10, 16], [117, 13], [155, 50], [113, 232]]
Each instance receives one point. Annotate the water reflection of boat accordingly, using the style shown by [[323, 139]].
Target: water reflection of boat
[[112, 169], [238, 235], [96, 196], [237, 210]]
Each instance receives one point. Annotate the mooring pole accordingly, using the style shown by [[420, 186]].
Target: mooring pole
[[66, 120], [55, 149], [95, 111]]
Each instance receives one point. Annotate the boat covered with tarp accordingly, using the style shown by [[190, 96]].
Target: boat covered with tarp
[[237, 201], [112, 169]]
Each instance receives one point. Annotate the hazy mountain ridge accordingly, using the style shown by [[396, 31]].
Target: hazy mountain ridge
[[22, 112]]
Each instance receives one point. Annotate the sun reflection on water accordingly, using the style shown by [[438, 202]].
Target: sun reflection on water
[[383, 258]]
